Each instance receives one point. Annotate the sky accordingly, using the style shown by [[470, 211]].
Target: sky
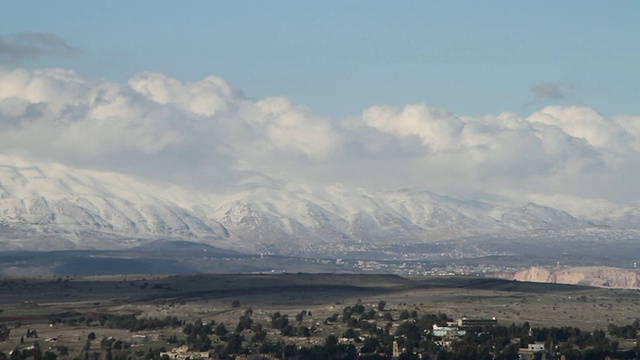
[[531, 99], [470, 57]]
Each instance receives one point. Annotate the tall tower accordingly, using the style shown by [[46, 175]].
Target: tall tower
[[396, 351]]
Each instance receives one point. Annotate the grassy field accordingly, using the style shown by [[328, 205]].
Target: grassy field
[[34, 303]]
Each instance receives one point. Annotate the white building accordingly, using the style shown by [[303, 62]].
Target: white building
[[183, 353], [447, 332]]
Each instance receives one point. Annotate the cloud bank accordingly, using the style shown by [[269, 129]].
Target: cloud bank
[[208, 134]]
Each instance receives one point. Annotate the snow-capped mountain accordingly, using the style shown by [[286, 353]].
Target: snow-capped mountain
[[84, 208], [537, 217], [51, 206], [626, 217]]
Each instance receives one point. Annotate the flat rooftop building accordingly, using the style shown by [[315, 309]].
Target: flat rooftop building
[[467, 323]]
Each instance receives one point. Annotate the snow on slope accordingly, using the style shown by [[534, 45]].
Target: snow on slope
[[625, 218], [51, 206], [533, 216], [38, 199], [335, 214]]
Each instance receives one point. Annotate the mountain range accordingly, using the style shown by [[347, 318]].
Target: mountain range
[[50, 206]]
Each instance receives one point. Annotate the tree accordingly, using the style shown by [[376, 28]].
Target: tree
[[244, 323], [350, 334], [234, 344], [358, 309], [235, 304], [370, 345], [259, 336], [300, 316], [330, 341], [203, 343], [37, 352], [220, 330], [304, 331], [288, 331], [279, 321], [381, 305]]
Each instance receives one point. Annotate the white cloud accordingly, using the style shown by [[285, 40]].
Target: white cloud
[[303, 132], [56, 88], [630, 124], [209, 134], [585, 123], [206, 97], [437, 128]]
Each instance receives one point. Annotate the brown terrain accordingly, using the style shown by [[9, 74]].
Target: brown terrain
[[609, 277], [66, 310]]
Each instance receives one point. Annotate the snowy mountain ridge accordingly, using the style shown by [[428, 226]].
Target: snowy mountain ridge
[[54, 207]]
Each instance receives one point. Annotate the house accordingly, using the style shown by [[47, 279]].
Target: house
[[467, 323], [530, 351], [447, 332], [183, 353]]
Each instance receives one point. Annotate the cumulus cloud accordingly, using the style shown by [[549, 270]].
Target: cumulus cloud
[[437, 129], [205, 97], [588, 124], [208, 134], [29, 46]]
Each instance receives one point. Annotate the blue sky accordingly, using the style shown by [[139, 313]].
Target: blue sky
[[470, 57]]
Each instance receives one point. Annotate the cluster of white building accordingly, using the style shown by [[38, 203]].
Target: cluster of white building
[[183, 353]]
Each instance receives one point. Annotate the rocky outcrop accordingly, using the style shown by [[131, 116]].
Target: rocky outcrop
[[590, 276]]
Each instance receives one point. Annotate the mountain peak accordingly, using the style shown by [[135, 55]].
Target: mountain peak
[[84, 209]]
